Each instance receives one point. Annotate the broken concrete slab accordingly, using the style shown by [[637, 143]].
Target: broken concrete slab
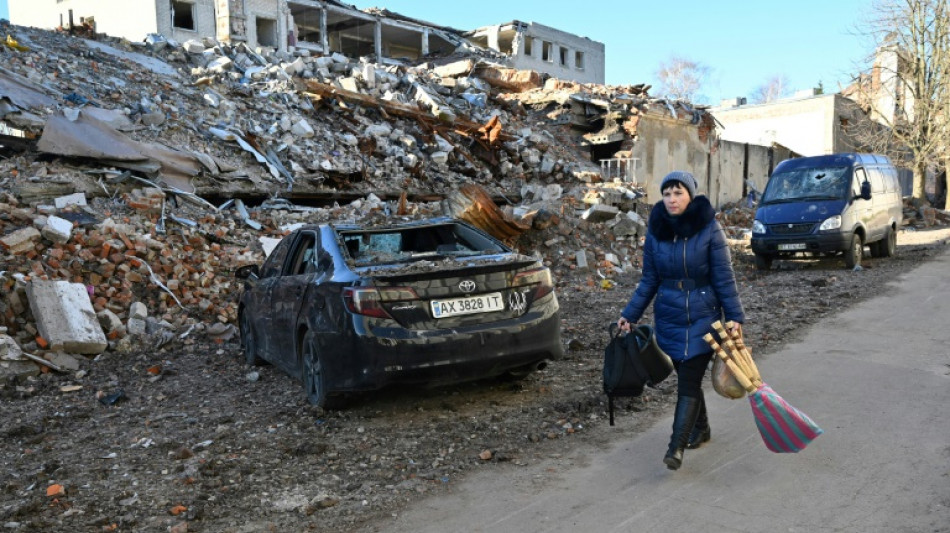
[[600, 213], [78, 199], [89, 138], [9, 349], [454, 70], [65, 316], [20, 240], [16, 370]]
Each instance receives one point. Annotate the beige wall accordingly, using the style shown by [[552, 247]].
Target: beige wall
[[807, 125], [720, 167], [665, 145], [121, 18]]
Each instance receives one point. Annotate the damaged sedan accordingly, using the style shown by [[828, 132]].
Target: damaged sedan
[[348, 308]]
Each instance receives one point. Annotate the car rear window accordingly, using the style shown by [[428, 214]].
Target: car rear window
[[371, 246]]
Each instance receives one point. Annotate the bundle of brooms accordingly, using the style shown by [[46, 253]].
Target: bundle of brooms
[[783, 428]]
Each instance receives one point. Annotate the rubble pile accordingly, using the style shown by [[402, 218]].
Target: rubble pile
[[113, 152]]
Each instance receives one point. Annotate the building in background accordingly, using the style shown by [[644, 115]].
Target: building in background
[[320, 27], [533, 46]]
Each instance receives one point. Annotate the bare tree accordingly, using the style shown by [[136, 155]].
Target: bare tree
[[774, 88], [681, 78], [907, 89]]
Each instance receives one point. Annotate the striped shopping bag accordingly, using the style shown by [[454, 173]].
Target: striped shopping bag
[[784, 429]]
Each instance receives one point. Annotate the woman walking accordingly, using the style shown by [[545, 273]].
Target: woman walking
[[687, 268]]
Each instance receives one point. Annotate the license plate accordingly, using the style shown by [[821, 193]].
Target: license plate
[[792, 246], [468, 305]]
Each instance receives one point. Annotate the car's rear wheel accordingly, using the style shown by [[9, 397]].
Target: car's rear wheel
[[889, 244], [855, 252], [314, 376], [763, 262], [249, 340]]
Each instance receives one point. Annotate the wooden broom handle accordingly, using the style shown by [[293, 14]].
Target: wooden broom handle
[[737, 356], [733, 368], [744, 352]]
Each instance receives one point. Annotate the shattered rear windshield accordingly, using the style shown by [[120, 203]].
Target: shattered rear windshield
[[373, 246]]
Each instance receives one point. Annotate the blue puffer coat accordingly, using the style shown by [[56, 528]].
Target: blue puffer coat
[[688, 268]]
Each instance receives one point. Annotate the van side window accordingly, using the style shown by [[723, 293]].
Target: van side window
[[890, 179], [877, 180]]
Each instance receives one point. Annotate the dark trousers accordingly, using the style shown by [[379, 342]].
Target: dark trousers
[[690, 375]]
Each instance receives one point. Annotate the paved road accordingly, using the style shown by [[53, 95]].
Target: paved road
[[876, 378]]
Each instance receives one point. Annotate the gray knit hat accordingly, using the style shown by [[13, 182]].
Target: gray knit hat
[[684, 178]]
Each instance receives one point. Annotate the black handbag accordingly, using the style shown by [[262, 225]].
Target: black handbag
[[632, 361]]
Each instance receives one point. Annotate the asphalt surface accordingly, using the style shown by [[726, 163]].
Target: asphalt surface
[[875, 377]]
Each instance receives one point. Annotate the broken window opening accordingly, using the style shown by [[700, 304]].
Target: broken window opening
[[528, 50], [506, 39], [183, 16], [480, 40], [579, 60], [307, 25], [266, 32], [546, 51], [563, 56]]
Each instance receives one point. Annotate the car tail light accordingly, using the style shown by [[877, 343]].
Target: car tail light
[[368, 301], [539, 278]]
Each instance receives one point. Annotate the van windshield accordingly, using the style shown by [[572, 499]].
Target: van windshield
[[824, 183]]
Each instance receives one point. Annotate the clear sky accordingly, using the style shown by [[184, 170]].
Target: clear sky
[[743, 43], [4, 12]]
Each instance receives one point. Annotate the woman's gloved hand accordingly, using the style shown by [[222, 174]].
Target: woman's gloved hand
[[624, 325]]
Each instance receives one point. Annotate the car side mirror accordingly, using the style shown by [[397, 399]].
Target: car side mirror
[[248, 272], [865, 191]]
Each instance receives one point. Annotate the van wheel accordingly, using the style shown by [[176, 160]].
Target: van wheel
[[889, 244], [315, 377], [854, 253], [763, 262]]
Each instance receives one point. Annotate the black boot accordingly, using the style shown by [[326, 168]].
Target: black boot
[[687, 409], [701, 432]]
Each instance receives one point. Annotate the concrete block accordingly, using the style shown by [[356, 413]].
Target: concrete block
[[78, 198], [58, 230], [600, 213], [110, 321], [138, 310], [302, 129], [369, 75], [20, 240], [193, 46], [581, 258], [9, 349], [349, 84], [65, 317], [456, 69]]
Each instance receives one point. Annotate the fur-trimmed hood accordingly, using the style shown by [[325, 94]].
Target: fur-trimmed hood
[[664, 226]]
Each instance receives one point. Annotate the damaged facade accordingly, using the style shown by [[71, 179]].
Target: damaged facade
[[323, 27], [320, 26], [533, 46]]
